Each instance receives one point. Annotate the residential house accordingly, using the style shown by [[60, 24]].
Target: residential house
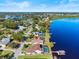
[[35, 49], [5, 40], [21, 28], [37, 40]]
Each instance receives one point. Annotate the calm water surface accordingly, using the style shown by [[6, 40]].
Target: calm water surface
[[65, 32]]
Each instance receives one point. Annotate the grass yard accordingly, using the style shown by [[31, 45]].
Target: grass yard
[[46, 56], [5, 53]]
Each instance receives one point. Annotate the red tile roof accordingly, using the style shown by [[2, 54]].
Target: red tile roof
[[34, 48]]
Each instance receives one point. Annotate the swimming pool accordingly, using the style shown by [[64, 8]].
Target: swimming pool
[[45, 49]]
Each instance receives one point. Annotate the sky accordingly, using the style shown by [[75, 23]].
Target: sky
[[39, 5]]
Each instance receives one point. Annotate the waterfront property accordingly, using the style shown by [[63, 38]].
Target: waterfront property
[[35, 49], [25, 36]]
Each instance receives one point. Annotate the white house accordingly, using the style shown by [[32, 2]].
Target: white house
[[21, 27], [5, 40]]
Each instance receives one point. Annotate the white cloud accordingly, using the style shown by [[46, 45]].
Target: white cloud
[[70, 6], [26, 6], [14, 6]]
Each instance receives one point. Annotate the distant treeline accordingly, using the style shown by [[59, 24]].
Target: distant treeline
[[37, 13]]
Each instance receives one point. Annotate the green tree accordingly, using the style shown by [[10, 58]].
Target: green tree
[[18, 36], [1, 32], [43, 29], [35, 20], [10, 24]]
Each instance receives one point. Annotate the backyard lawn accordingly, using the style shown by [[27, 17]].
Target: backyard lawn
[[6, 54], [46, 56]]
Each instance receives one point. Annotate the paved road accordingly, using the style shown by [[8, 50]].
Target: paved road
[[19, 50]]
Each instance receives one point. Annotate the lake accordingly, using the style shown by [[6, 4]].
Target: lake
[[65, 32]]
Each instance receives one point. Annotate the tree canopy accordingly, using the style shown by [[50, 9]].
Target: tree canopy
[[10, 24], [18, 36]]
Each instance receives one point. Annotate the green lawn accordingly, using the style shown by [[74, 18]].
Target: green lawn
[[5, 53], [47, 56], [1, 26]]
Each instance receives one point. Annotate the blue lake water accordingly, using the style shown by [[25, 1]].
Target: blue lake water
[[65, 32]]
